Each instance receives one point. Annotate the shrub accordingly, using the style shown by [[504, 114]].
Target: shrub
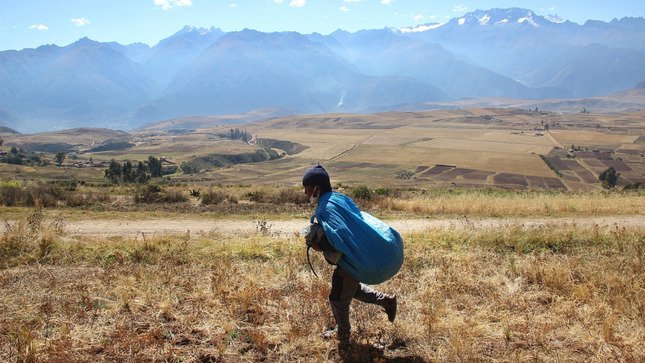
[[189, 168], [362, 192], [632, 186], [383, 192], [213, 197], [609, 178], [290, 195], [12, 195], [258, 196], [154, 194]]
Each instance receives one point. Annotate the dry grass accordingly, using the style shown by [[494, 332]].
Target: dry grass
[[512, 294], [503, 204]]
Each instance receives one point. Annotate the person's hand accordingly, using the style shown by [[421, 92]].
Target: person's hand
[[316, 246]]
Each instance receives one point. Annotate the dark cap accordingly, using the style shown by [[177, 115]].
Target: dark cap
[[317, 176]]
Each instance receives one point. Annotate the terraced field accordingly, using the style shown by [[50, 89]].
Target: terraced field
[[471, 148]]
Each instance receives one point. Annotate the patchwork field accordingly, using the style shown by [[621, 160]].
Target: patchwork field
[[505, 148]]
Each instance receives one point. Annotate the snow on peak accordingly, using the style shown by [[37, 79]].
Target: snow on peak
[[422, 28], [484, 20], [528, 19], [462, 21], [555, 19]]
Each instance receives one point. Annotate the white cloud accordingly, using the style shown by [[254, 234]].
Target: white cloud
[[80, 21], [278, 1], [419, 18], [343, 9], [352, 1], [39, 27], [387, 2], [297, 3], [168, 4], [164, 4], [232, 6], [459, 8]]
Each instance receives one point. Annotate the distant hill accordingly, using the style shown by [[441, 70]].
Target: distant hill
[[495, 53], [250, 70], [624, 101], [205, 122], [384, 52], [67, 140], [6, 130]]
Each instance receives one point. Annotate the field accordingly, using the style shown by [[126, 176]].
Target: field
[[516, 293], [513, 250], [500, 148]]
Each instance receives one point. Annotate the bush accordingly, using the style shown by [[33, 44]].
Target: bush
[[213, 197], [383, 192], [258, 196], [362, 192], [281, 196], [189, 168], [154, 194], [609, 178], [37, 195], [291, 195], [632, 186]]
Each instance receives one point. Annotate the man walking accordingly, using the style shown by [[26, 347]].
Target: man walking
[[364, 249]]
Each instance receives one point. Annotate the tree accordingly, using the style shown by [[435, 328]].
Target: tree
[[128, 172], [140, 175], [609, 178], [154, 165], [113, 172], [1, 141], [60, 157]]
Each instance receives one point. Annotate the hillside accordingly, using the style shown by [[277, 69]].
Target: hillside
[[70, 140], [496, 53]]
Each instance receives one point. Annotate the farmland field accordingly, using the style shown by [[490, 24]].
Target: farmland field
[[513, 250], [504, 148]]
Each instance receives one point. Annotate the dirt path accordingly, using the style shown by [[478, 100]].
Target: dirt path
[[108, 228]]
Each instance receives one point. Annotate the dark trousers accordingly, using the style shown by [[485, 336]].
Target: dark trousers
[[344, 288]]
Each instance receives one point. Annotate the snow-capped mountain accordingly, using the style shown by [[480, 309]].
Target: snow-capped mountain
[[513, 17], [512, 53]]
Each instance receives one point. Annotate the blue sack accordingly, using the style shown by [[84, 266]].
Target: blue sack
[[372, 250]]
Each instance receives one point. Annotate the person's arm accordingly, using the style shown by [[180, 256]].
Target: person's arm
[[318, 241], [324, 245]]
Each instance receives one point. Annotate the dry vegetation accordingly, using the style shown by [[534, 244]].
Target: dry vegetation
[[513, 294], [85, 201]]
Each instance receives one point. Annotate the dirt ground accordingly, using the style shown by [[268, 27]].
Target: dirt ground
[[141, 228]]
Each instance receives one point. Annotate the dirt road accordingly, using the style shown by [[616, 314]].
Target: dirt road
[[110, 227]]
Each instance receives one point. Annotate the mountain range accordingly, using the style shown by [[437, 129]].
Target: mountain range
[[510, 53]]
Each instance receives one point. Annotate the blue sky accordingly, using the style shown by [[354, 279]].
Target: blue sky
[[30, 23]]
